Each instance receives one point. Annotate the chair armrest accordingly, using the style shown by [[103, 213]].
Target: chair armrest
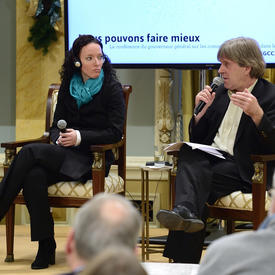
[[173, 172], [259, 185], [105, 147], [173, 153], [15, 144], [260, 176], [98, 166], [263, 158]]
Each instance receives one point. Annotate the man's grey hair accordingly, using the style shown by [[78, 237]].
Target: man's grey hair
[[106, 220], [246, 53], [114, 260]]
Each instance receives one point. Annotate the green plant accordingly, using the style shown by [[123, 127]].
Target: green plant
[[43, 33]]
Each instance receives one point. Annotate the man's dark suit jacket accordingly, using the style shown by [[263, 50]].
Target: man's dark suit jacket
[[249, 138], [100, 121]]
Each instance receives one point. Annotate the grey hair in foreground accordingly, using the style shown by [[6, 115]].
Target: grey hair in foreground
[[114, 261], [106, 220]]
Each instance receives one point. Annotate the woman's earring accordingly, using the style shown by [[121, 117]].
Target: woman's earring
[[77, 64]]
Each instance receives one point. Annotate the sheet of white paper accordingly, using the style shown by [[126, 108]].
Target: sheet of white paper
[[170, 268], [206, 148]]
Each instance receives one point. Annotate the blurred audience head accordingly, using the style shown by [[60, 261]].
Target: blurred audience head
[[115, 260], [105, 220]]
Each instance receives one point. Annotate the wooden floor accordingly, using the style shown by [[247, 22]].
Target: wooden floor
[[25, 251]]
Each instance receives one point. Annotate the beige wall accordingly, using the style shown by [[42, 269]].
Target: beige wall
[[34, 73]]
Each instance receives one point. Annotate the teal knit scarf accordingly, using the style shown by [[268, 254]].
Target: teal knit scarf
[[84, 92]]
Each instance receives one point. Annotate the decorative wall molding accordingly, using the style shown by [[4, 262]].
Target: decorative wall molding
[[164, 117]]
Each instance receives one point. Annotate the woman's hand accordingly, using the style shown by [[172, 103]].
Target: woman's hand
[[67, 139]]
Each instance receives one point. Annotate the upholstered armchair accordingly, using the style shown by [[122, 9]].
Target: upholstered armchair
[[71, 194], [240, 206]]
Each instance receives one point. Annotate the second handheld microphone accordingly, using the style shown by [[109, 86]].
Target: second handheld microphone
[[217, 81]]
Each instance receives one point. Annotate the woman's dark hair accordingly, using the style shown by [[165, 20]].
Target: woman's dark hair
[[69, 68]]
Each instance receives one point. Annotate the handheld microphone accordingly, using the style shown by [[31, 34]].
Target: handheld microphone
[[217, 81], [62, 124]]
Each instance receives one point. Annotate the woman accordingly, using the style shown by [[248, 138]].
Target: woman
[[91, 101]]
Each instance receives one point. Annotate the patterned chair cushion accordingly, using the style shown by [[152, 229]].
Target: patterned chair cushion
[[239, 200], [74, 189], [113, 184]]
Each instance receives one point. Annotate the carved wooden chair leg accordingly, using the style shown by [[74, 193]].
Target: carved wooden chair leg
[[230, 226], [10, 233]]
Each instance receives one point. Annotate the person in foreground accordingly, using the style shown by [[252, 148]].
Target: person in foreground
[[107, 220], [115, 260], [91, 101], [245, 252], [238, 119]]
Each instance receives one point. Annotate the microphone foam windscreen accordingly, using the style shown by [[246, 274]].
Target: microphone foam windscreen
[[218, 80], [61, 124]]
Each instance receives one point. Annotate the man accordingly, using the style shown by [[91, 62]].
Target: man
[[104, 221], [238, 119], [245, 252]]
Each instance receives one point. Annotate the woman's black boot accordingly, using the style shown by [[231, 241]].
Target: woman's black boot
[[45, 254]]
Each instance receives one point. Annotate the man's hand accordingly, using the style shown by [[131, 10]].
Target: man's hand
[[67, 139], [206, 96], [249, 104]]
